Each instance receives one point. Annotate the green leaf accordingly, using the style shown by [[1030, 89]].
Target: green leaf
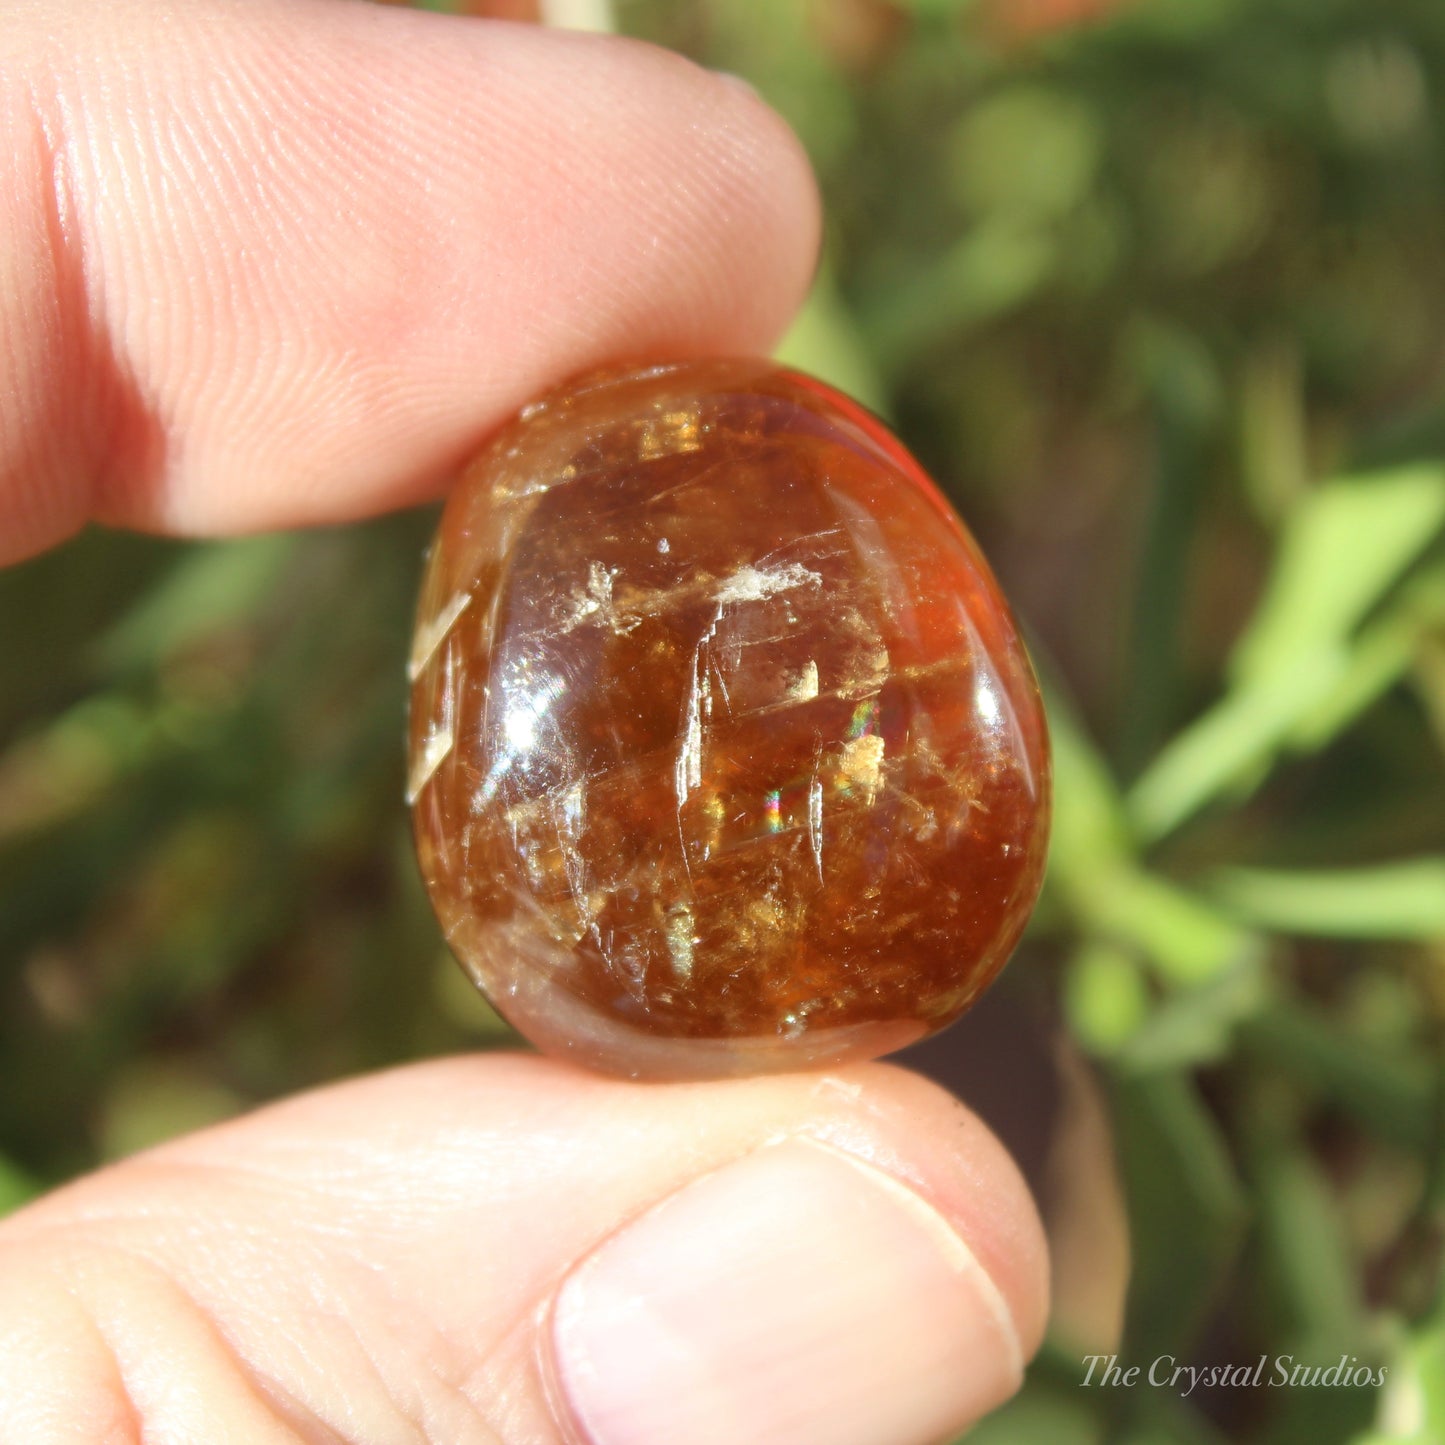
[[1186, 1209], [1310, 1261], [1038, 1415], [824, 342], [1028, 150], [16, 1186], [1164, 1418], [1197, 1026], [211, 586], [1179, 370], [1185, 937], [1274, 430], [152, 1101], [1230, 747], [1403, 900], [1111, 896], [1345, 546], [1105, 996], [1383, 652], [1424, 1368], [1297, 671], [995, 268], [1089, 827], [1386, 1086]]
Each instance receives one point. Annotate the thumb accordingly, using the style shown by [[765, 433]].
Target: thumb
[[502, 1248]]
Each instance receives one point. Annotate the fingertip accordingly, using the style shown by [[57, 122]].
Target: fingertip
[[778, 263], [962, 1166], [845, 1271], [395, 229]]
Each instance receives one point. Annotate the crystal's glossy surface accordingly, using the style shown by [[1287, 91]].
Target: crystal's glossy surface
[[725, 755]]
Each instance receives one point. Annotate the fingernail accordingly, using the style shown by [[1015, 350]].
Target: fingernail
[[798, 1295]]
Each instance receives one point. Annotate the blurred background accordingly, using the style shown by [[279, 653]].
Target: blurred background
[[1156, 291]]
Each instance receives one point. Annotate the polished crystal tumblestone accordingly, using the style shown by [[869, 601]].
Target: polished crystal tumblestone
[[725, 755]]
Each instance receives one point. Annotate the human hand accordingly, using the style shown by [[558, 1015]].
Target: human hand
[[287, 262]]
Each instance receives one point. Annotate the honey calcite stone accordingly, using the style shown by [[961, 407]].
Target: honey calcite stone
[[725, 755]]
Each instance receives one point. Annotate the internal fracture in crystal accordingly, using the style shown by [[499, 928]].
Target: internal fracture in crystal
[[725, 754]]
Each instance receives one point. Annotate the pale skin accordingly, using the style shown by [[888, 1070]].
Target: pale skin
[[285, 262]]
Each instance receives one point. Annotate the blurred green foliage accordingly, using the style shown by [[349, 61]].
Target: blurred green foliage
[[1158, 299]]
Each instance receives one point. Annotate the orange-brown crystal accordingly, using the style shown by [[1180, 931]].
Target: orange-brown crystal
[[725, 755]]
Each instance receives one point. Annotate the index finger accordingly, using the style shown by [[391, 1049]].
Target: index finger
[[285, 263]]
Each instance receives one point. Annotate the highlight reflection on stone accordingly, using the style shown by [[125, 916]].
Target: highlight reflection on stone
[[725, 755]]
